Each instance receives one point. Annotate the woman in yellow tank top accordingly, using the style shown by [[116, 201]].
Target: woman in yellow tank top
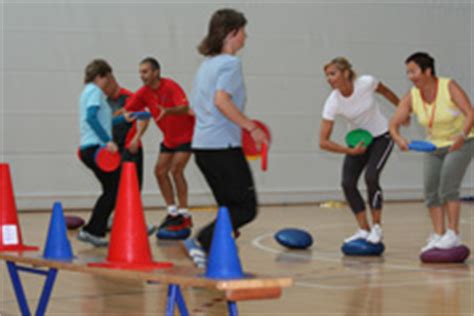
[[444, 109]]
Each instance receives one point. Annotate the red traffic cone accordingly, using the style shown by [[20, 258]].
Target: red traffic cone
[[129, 247], [10, 232]]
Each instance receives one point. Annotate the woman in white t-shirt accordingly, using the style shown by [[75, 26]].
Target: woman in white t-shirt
[[354, 99]]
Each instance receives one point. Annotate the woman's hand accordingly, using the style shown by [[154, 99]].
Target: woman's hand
[[111, 146], [458, 143], [402, 143], [357, 150], [259, 137]]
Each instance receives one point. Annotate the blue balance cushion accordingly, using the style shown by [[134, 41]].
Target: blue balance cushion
[[167, 234], [294, 238], [454, 255], [361, 247]]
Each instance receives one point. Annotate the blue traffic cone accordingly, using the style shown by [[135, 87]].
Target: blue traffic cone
[[57, 246], [223, 260]]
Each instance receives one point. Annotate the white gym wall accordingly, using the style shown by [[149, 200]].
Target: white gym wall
[[46, 46]]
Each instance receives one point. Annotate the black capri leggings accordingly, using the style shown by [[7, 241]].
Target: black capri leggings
[[373, 160], [228, 174], [105, 204]]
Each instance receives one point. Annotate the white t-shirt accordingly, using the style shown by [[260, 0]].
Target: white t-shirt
[[360, 109]]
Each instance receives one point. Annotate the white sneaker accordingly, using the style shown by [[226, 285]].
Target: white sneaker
[[376, 234], [360, 234], [448, 240], [431, 241], [97, 241], [195, 252]]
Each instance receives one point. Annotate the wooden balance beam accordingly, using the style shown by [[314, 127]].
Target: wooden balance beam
[[251, 287]]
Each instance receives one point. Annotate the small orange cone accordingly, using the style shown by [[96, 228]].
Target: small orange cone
[[129, 247], [10, 232]]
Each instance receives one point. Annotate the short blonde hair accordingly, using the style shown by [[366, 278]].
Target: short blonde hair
[[342, 64]]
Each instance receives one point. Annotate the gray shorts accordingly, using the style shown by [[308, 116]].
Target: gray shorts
[[443, 173]]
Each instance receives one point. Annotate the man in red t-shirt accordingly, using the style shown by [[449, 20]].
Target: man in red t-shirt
[[169, 107]]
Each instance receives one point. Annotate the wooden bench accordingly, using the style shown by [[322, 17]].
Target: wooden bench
[[249, 288]]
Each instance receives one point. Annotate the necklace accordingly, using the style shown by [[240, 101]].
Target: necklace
[[433, 109]]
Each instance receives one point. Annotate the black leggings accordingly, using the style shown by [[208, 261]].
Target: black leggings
[[373, 160], [105, 204], [228, 174]]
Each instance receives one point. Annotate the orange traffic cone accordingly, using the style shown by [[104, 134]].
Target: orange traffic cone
[[129, 247], [10, 232]]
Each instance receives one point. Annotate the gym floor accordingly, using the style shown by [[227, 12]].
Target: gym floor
[[326, 282]]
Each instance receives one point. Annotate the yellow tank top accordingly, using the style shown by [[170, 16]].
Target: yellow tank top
[[446, 122]]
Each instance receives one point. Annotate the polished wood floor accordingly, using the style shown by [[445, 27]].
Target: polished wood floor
[[326, 283]]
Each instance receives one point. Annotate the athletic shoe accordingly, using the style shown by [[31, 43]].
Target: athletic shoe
[[195, 252], [360, 234], [176, 222], [376, 234], [92, 239], [449, 240], [431, 242]]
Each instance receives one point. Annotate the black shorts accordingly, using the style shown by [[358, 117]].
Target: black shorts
[[186, 147]]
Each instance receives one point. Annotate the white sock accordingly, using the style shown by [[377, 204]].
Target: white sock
[[172, 210], [183, 211]]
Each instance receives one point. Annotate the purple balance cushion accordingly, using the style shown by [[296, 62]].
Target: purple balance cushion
[[453, 255], [73, 222]]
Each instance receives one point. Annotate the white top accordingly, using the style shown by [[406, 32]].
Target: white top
[[360, 109]]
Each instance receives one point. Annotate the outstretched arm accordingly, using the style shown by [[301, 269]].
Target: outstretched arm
[[387, 93], [142, 125], [176, 110], [402, 114]]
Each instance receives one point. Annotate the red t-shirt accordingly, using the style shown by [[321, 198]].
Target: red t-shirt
[[177, 129]]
